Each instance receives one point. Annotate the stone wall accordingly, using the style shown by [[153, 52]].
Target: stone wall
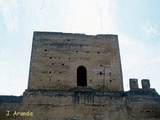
[[77, 104], [84, 103]]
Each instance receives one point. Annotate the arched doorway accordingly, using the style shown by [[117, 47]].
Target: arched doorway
[[81, 76]]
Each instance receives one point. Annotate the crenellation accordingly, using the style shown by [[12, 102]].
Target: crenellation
[[133, 84], [145, 84]]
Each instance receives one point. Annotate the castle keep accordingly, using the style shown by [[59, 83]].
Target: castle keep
[[79, 77], [64, 61]]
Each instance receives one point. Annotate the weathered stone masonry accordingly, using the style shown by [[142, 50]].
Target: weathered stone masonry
[[79, 77]]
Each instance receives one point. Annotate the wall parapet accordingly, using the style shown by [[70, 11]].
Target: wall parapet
[[144, 82]]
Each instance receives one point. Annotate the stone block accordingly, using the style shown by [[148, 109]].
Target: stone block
[[145, 84], [133, 84]]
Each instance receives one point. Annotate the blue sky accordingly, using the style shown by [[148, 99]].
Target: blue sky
[[136, 22]]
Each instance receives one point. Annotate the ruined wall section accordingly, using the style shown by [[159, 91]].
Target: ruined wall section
[[56, 57]]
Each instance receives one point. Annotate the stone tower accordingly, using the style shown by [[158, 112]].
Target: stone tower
[[64, 61]]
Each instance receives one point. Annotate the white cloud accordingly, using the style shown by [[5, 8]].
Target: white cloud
[[128, 41], [81, 16], [84, 19], [151, 30], [10, 13]]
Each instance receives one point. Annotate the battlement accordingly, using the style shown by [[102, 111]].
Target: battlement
[[134, 84], [145, 84]]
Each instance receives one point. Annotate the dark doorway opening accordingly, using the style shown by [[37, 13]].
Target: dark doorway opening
[[81, 76]]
